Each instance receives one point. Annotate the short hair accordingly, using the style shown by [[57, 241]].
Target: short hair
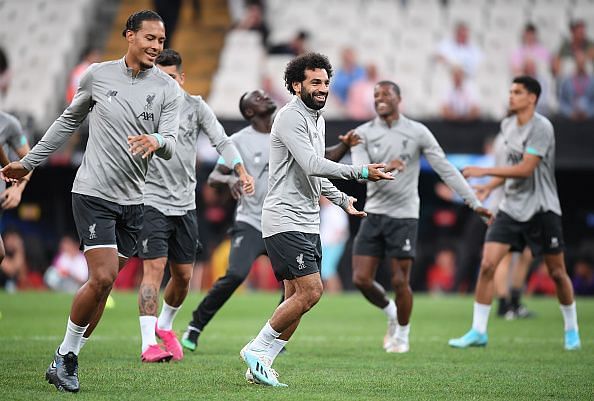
[[531, 84], [169, 57], [295, 70], [395, 87], [242, 106], [134, 22], [530, 27]]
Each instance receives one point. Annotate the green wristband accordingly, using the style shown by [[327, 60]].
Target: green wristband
[[365, 172]]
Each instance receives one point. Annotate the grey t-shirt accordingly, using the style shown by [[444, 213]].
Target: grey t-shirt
[[171, 184], [299, 173], [405, 140], [119, 105], [254, 148], [11, 136], [525, 197]]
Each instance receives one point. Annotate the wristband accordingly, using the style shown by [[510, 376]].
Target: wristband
[[159, 138], [236, 161], [365, 172]]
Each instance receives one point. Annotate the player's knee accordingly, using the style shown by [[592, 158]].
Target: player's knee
[[312, 295], [102, 281], [399, 283], [361, 281], [557, 273], [488, 269], [182, 277]]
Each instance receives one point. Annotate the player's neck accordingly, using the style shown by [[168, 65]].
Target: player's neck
[[524, 116], [389, 120], [133, 64], [263, 125]]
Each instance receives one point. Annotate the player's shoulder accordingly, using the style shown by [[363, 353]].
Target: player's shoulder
[[8, 120], [414, 126], [165, 80], [363, 129], [542, 123], [507, 121], [102, 67]]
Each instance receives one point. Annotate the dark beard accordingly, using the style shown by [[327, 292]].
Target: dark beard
[[308, 99]]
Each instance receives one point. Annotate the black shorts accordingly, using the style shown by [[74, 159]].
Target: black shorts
[[246, 245], [174, 237], [543, 233], [294, 254], [383, 236], [101, 223]]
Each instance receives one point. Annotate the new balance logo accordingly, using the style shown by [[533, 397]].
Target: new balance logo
[[111, 94], [237, 241], [301, 264], [145, 246], [406, 247], [92, 233], [554, 242]]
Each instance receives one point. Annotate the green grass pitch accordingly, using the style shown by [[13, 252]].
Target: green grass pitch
[[336, 354]]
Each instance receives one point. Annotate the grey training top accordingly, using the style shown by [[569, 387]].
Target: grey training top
[[118, 105], [254, 148], [405, 140], [171, 184], [525, 197], [299, 173], [11, 134]]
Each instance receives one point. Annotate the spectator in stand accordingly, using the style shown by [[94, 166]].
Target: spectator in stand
[[4, 73], [577, 42], [529, 50], [458, 51], [360, 104], [440, 275], [348, 73], [169, 10], [583, 277], [576, 96], [295, 47], [253, 20], [334, 234], [89, 56], [460, 102], [13, 268], [69, 270], [544, 105]]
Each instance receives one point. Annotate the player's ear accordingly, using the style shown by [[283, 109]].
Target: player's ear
[[296, 87]]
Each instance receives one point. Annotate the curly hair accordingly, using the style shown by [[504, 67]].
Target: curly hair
[[295, 70]]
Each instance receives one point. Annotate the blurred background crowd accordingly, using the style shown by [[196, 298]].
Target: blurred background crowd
[[453, 59]]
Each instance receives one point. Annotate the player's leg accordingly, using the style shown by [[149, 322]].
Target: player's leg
[[519, 272], [295, 257], [95, 221], [246, 245], [501, 282], [404, 301], [153, 247], [493, 253], [93, 324]]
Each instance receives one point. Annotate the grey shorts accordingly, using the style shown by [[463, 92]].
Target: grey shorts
[[543, 233], [101, 223], [246, 245], [175, 237], [383, 236], [294, 254]]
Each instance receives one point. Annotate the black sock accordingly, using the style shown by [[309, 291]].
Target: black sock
[[503, 305], [516, 294]]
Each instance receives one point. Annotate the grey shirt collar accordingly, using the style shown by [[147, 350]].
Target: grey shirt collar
[[130, 72]]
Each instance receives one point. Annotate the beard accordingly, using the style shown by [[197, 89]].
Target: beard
[[311, 102]]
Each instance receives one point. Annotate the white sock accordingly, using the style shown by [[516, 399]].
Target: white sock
[[71, 342], [569, 316], [275, 349], [166, 317], [83, 341], [390, 310], [480, 317], [402, 333], [265, 338], [147, 331]]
